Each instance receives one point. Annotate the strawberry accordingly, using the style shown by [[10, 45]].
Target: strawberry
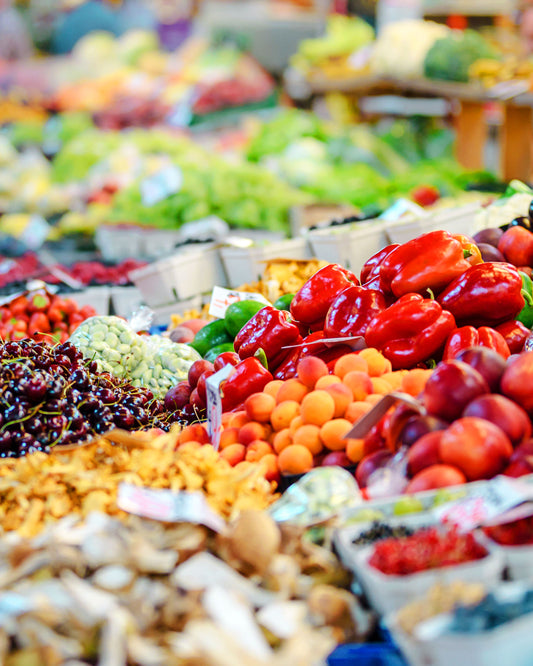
[[55, 314], [19, 306], [70, 306], [39, 303], [39, 323]]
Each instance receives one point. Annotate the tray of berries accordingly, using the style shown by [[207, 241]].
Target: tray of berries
[[514, 539], [394, 570]]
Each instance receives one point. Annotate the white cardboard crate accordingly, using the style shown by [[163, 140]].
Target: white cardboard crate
[[98, 297], [349, 245], [247, 264], [460, 220], [181, 276]]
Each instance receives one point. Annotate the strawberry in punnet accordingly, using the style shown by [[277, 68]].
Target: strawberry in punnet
[[39, 323], [38, 303], [425, 195], [18, 306]]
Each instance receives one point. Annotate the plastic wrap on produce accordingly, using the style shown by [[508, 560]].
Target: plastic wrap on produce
[[317, 496], [153, 361]]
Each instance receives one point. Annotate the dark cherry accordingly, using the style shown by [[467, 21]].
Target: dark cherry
[[123, 418], [36, 388], [35, 426], [106, 395]]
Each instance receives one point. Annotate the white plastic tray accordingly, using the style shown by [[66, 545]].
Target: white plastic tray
[[343, 537], [126, 300], [388, 593], [349, 245], [181, 276], [246, 264], [98, 297]]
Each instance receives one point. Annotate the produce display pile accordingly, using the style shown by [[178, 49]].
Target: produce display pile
[[411, 50]]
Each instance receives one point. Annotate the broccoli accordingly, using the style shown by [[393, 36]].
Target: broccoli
[[450, 57]]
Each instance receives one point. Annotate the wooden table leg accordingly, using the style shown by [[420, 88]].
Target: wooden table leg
[[516, 142], [471, 134]]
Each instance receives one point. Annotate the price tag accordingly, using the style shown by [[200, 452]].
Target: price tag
[[366, 422], [161, 185], [222, 298], [485, 502], [35, 232], [168, 506], [214, 404]]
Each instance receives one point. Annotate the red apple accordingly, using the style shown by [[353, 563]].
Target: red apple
[[177, 396], [424, 452], [196, 370], [487, 362], [505, 413], [450, 387], [336, 458], [369, 464], [436, 476], [476, 446], [517, 380], [521, 461], [200, 386]]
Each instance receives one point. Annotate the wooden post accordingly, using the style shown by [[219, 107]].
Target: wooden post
[[516, 142], [471, 134]]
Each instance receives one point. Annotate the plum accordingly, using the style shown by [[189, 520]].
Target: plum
[[487, 362], [488, 236], [505, 413], [490, 252], [450, 387]]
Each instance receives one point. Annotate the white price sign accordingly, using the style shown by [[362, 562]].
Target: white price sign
[[161, 185], [222, 298], [214, 404]]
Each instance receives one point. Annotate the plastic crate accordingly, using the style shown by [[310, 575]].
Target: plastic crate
[[349, 245], [125, 300], [366, 654], [246, 264], [185, 274]]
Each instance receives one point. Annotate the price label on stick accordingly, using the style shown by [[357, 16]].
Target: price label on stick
[[214, 404], [222, 298]]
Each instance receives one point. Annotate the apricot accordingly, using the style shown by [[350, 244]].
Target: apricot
[[234, 453], [283, 413], [259, 406], [308, 435], [281, 440], [317, 407], [342, 397], [270, 467], [273, 387], [333, 434], [295, 459], [415, 380], [228, 436], [310, 369], [377, 363], [249, 432], [349, 363], [257, 449], [327, 380], [194, 432], [359, 384], [238, 419], [356, 409], [291, 389], [355, 449]]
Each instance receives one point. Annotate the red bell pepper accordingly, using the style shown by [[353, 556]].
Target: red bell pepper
[[329, 354], [269, 329], [372, 266], [515, 334], [311, 303], [351, 312], [469, 336], [249, 376], [485, 295], [412, 330], [429, 262]]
